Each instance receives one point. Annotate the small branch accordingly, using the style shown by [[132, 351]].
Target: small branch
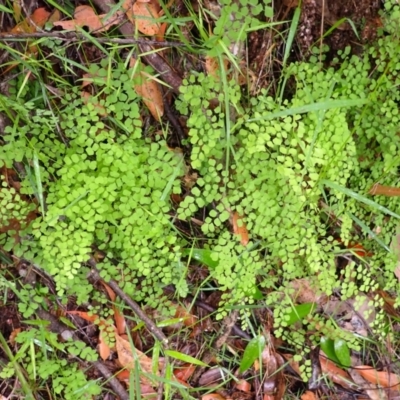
[[150, 325], [150, 56], [76, 37], [60, 328]]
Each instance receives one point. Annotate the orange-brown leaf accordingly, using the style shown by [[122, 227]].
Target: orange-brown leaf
[[104, 348], [382, 190], [381, 378], [185, 372], [39, 17], [309, 396], [127, 357], [239, 228], [146, 87], [88, 98], [212, 396], [336, 374], [188, 318], [144, 15], [83, 314], [243, 386], [85, 16]]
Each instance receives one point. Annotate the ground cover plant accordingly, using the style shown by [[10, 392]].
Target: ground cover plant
[[182, 219]]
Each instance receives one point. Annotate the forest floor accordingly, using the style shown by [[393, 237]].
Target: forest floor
[[212, 359]]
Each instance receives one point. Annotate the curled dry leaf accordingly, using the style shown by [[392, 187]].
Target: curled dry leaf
[[336, 374], [144, 16], [104, 348], [119, 319], [381, 378], [382, 190], [239, 228], [88, 98], [188, 318], [305, 293], [127, 357], [146, 87], [212, 396], [85, 16], [38, 19], [185, 372], [309, 396], [243, 386]]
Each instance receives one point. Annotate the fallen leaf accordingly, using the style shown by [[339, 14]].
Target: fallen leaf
[[239, 228], [13, 335], [188, 319], [212, 396], [127, 357], [185, 372], [336, 374], [212, 67], [119, 318], [381, 378], [371, 390], [243, 386], [104, 348], [382, 190], [37, 19], [88, 99], [309, 396], [85, 16], [305, 293], [147, 88], [143, 16]]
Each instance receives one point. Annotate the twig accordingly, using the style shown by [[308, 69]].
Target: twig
[[206, 307], [150, 325], [60, 328], [75, 37], [151, 57], [173, 120]]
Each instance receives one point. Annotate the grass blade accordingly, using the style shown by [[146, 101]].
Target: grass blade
[[359, 197]]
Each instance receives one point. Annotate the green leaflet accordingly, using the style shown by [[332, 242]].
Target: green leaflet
[[252, 352], [298, 312]]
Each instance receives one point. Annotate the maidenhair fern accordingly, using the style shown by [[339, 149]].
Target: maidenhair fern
[[286, 166]]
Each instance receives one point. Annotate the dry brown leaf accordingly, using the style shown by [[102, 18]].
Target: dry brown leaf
[[185, 372], [85, 16], [146, 87], [381, 378], [309, 396], [213, 68], [371, 390], [336, 374], [88, 98], [243, 386], [13, 335], [381, 190], [119, 319], [38, 19], [212, 396], [239, 228], [104, 348], [188, 318], [127, 357], [144, 15], [29, 25], [305, 293]]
